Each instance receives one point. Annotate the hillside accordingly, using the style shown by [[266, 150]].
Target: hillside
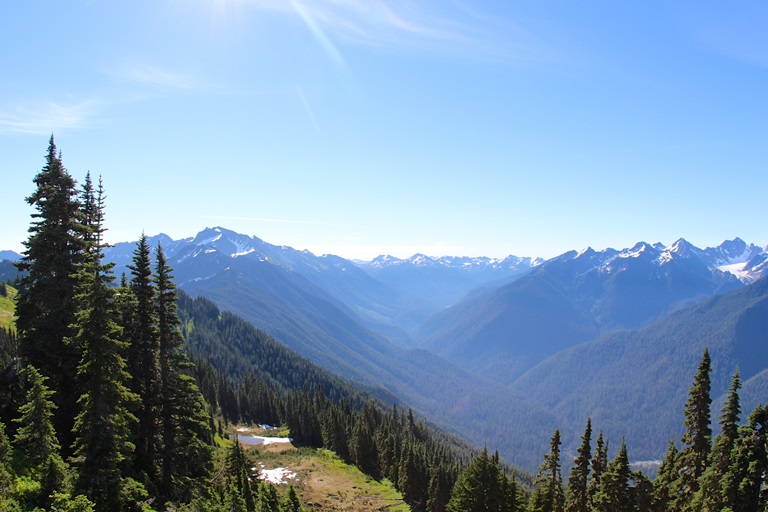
[[570, 299], [633, 383]]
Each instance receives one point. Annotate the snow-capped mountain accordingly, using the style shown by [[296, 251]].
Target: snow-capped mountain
[[470, 264]]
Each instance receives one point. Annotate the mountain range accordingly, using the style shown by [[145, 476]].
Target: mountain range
[[503, 351]]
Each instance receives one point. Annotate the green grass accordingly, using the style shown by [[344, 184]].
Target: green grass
[[8, 308]]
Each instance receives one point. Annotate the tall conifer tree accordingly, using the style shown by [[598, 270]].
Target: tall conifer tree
[[711, 496], [692, 459], [578, 481], [143, 361], [185, 451], [548, 493], [102, 426], [45, 304]]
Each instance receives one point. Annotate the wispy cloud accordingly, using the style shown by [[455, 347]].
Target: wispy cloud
[[369, 21], [157, 77], [307, 108], [428, 26], [48, 117]]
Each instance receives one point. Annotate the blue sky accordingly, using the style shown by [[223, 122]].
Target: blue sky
[[384, 126]]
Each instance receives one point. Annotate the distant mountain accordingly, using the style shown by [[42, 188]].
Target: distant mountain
[[385, 310], [443, 281], [635, 383], [10, 256], [579, 295]]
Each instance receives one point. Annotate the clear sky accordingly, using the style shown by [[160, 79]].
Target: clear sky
[[363, 127]]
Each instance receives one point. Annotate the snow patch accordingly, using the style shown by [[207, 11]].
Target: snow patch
[[275, 476]]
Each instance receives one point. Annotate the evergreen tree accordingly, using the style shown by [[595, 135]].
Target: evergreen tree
[[599, 464], [614, 494], [186, 454], [35, 438], [267, 500], [697, 440], [143, 361], [5, 462], [45, 305], [576, 496], [102, 426], [291, 501], [483, 487], [548, 493], [665, 483], [711, 496], [745, 485], [238, 479]]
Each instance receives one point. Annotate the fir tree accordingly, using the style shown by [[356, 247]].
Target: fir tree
[[665, 483], [697, 440], [548, 493], [745, 485], [576, 496], [291, 501], [267, 500], [102, 426], [614, 494], [711, 496], [599, 464], [143, 361], [186, 454], [45, 303], [35, 438]]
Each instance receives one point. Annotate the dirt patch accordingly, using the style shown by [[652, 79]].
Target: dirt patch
[[324, 483]]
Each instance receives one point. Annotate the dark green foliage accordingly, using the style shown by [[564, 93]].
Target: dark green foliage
[[711, 496], [614, 494], [143, 360], [746, 483], [692, 459], [36, 441], [483, 487], [185, 434], [5, 462], [291, 501], [576, 499], [102, 426], [46, 301], [548, 493], [665, 483]]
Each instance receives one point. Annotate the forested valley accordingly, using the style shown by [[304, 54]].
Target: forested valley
[[119, 394]]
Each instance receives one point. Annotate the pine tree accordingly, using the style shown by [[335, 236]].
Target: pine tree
[[614, 494], [45, 303], [665, 483], [599, 464], [186, 454], [143, 361], [745, 485], [35, 438], [483, 487], [548, 493], [576, 496], [267, 500], [697, 440], [291, 501], [102, 426], [711, 496]]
